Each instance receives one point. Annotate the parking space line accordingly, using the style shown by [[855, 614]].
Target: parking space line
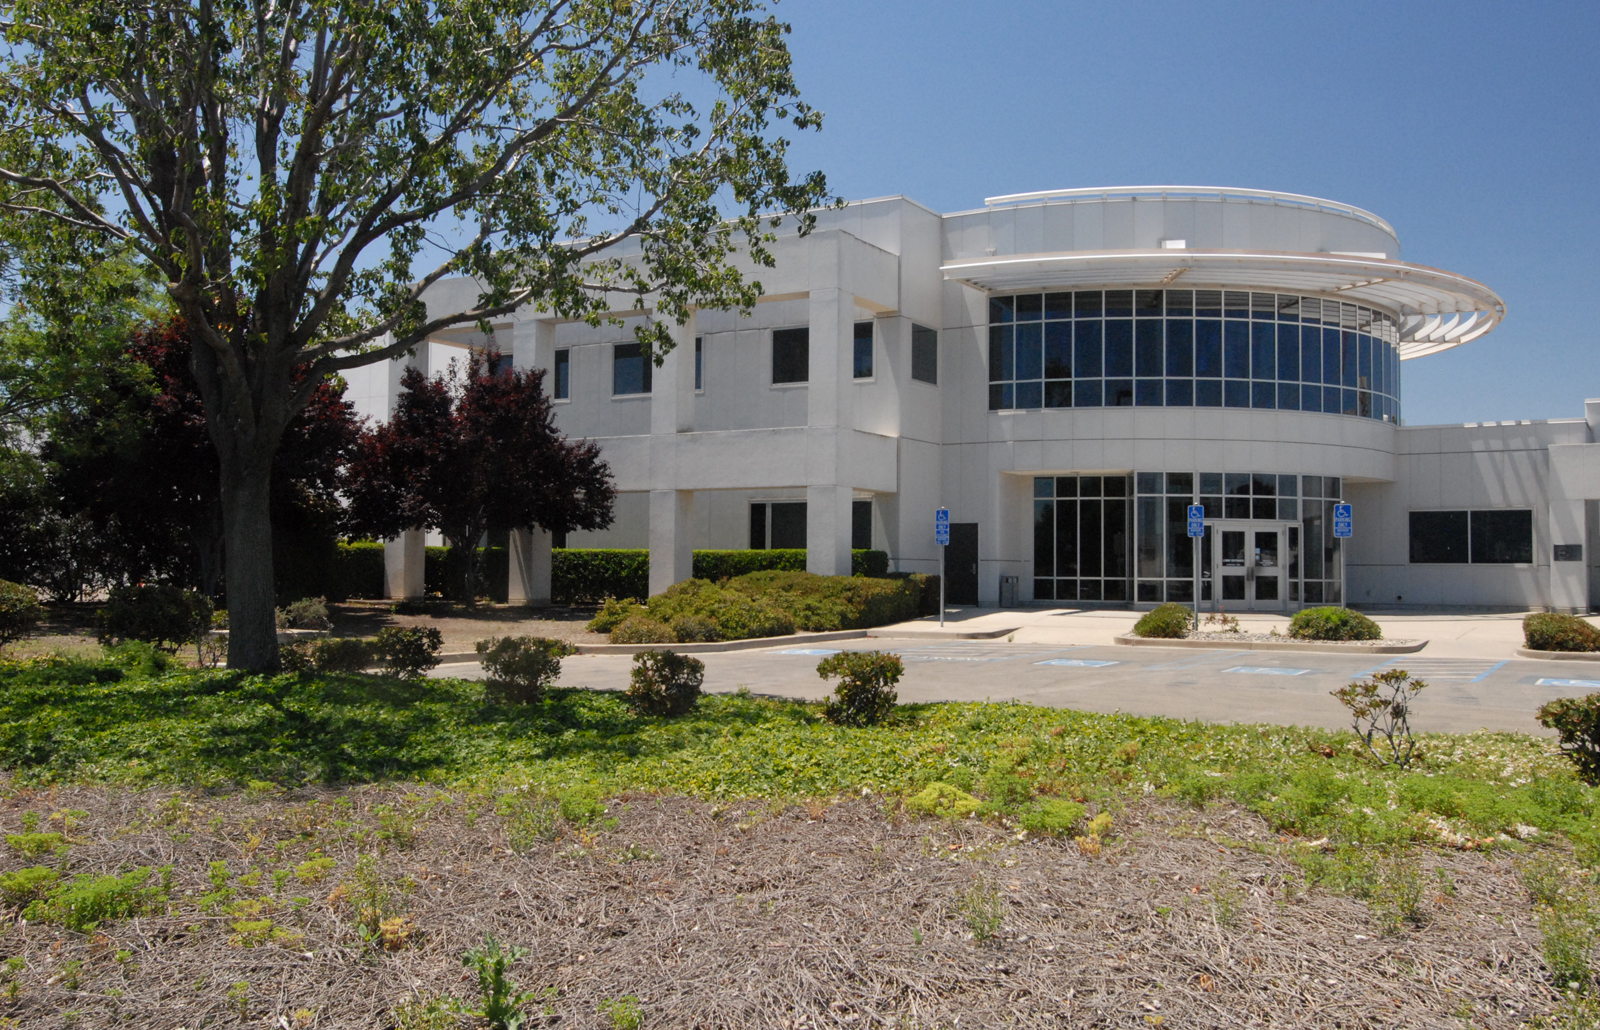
[[1266, 670], [1460, 670], [1086, 663], [814, 651], [1547, 682]]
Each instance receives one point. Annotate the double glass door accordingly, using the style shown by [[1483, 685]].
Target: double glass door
[[1250, 562]]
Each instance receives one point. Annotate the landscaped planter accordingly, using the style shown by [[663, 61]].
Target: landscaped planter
[[1328, 646], [1559, 656]]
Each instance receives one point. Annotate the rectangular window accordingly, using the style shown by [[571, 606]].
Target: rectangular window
[[862, 364], [791, 355], [699, 364], [563, 384], [861, 525], [788, 524], [758, 526], [1439, 538], [630, 369], [1503, 537], [924, 354]]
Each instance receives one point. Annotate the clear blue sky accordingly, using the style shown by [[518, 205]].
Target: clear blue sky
[[1474, 128]]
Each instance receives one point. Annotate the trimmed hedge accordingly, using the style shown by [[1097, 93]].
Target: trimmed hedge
[[1169, 621], [1332, 623], [440, 575], [1551, 631], [358, 571]]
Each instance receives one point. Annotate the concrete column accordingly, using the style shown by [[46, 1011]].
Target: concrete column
[[831, 318], [1574, 481], [530, 562], [528, 577], [403, 559], [671, 541], [671, 509], [828, 529]]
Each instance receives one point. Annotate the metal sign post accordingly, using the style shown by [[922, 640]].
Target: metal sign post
[[1343, 526], [1197, 529], [941, 536]]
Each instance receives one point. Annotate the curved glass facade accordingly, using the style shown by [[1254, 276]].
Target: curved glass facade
[[1192, 348]]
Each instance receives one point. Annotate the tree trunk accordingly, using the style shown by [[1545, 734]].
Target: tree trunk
[[247, 562]]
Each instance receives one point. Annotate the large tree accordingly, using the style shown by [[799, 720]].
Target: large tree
[[300, 172], [471, 452]]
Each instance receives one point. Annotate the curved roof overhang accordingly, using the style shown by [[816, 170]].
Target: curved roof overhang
[[1437, 310]]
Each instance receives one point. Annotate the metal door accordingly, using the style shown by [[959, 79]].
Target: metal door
[[961, 564], [1251, 563]]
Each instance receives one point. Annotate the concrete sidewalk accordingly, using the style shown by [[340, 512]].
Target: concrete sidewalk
[[1449, 634]]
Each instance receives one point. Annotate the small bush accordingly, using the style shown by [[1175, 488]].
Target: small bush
[[20, 612], [521, 668], [944, 801], [139, 657], [159, 614], [689, 629], [1381, 706], [1333, 623], [613, 613], [1168, 621], [642, 629], [36, 845], [306, 613], [27, 885], [337, 655], [1051, 816], [1577, 721], [664, 683], [865, 694], [1549, 631], [407, 653], [88, 900]]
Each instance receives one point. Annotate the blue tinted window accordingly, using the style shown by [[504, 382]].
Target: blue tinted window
[[1029, 395], [1208, 393], [1311, 354], [1236, 393], [1365, 380], [1332, 400], [1289, 396], [1029, 307], [1058, 393], [1058, 305], [1236, 304], [1349, 402], [1289, 353], [1264, 395], [1263, 351], [1002, 309], [1208, 348], [1148, 393], [1236, 350], [1119, 347], [1180, 393], [1119, 393], [862, 357], [1330, 359], [1311, 398], [1086, 363], [1119, 303], [1347, 357], [999, 352], [1058, 350], [1148, 349], [1086, 303], [563, 388], [1030, 363], [1180, 347], [1086, 393]]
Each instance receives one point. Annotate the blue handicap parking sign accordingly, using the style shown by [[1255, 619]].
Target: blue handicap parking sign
[[941, 527], [1343, 520], [1197, 520]]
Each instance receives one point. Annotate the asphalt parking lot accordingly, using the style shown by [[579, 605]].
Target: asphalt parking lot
[[1464, 693]]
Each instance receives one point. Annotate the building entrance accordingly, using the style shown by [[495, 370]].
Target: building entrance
[[1252, 562]]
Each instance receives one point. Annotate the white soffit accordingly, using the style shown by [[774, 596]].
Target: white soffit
[[1438, 310]]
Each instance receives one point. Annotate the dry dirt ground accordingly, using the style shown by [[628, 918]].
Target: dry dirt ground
[[745, 915], [72, 628]]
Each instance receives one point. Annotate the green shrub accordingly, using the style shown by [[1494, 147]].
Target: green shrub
[[1170, 621], [442, 573], [521, 668], [1577, 721], [20, 611], [731, 614], [664, 683], [944, 801], [642, 629], [334, 655], [827, 603], [717, 566], [27, 885], [865, 694], [358, 570], [690, 629], [88, 900], [1549, 631], [591, 574], [1052, 816], [139, 657], [1332, 623], [925, 587], [407, 653], [36, 845], [306, 613], [613, 612], [159, 614]]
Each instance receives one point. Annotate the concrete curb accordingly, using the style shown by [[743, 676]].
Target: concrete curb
[[1272, 645], [794, 640], [1559, 656], [889, 632]]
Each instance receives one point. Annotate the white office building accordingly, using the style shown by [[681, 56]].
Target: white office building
[[1067, 372]]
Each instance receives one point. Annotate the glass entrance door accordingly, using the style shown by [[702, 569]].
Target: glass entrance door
[[1250, 560]]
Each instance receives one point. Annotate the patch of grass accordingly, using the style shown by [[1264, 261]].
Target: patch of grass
[[35, 845], [86, 901], [209, 728], [983, 908]]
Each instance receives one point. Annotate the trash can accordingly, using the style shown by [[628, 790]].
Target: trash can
[[1008, 591]]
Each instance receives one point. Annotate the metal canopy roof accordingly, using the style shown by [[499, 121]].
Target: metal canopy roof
[[1437, 310]]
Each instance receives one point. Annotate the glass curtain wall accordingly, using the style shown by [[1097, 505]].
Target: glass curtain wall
[[1081, 529], [1082, 526], [1192, 348]]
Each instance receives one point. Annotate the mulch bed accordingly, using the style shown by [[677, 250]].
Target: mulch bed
[[750, 915]]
